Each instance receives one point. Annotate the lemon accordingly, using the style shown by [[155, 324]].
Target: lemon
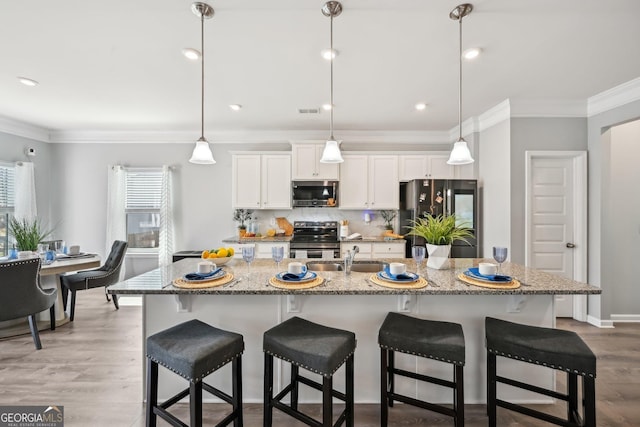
[[222, 253], [205, 254], [230, 251], [213, 255]]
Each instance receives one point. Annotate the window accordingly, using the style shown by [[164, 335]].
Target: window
[[142, 208], [7, 197]]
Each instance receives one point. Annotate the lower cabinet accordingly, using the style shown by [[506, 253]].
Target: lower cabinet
[[374, 250]]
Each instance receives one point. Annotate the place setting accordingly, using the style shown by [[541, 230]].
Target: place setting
[[488, 275], [297, 276], [396, 276], [208, 275]]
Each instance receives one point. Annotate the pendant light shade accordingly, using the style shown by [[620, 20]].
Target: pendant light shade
[[202, 154], [460, 154], [331, 153]]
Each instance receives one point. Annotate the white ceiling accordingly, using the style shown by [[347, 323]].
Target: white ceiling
[[117, 65]]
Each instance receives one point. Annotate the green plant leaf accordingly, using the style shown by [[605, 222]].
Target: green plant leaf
[[27, 233], [440, 230]]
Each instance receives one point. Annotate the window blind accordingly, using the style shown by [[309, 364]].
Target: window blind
[[143, 190], [7, 186]]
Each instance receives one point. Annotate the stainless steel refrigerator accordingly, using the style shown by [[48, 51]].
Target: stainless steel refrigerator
[[422, 197]]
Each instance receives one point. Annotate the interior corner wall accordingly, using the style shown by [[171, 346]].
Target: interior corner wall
[[622, 220], [12, 149], [600, 168], [494, 182], [536, 134]]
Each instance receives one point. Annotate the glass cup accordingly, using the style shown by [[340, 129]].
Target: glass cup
[[277, 253], [418, 253], [58, 246], [248, 254], [500, 255]]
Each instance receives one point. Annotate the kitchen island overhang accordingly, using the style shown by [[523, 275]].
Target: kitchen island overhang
[[352, 302]]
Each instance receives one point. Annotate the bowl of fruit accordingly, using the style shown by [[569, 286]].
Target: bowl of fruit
[[218, 256]]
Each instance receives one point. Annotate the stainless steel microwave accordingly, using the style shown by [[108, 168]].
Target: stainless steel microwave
[[314, 194]]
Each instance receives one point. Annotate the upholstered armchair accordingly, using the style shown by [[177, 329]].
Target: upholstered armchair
[[22, 296], [103, 276]]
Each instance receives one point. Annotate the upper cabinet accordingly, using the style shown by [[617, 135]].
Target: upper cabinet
[[432, 166], [369, 181], [306, 164], [261, 181]]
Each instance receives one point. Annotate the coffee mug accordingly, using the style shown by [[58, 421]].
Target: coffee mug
[[296, 268], [396, 268], [206, 267], [487, 269]]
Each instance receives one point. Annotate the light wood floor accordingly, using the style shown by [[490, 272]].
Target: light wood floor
[[93, 368]]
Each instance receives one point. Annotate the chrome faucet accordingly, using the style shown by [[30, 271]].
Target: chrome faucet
[[348, 259]]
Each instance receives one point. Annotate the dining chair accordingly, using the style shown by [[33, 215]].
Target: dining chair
[[105, 275], [21, 294]]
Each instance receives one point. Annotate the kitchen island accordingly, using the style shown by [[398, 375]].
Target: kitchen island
[[251, 306]]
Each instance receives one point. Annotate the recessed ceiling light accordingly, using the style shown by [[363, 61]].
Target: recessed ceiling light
[[28, 82], [329, 54], [471, 53], [421, 106], [191, 54], [326, 107], [235, 107]]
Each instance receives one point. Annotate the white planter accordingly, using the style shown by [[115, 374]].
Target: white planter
[[438, 256]]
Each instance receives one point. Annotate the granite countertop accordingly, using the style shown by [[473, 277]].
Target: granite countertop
[[373, 239], [263, 239], [441, 282]]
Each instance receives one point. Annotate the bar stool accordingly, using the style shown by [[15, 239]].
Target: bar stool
[[194, 350], [436, 340], [318, 349], [553, 348]]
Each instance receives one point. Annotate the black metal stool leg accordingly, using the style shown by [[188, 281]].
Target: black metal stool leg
[[491, 388], [350, 392], [572, 393], [268, 391], [195, 403], [236, 373], [73, 306], [384, 381], [392, 365], [294, 386], [327, 401], [458, 398], [152, 392], [589, 396], [52, 317]]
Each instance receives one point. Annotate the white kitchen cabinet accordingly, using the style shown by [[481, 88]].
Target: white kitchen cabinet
[[388, 250], [369, 181], [261, 181], [364, 249], [305, 163], [430, 166], [263, 250]]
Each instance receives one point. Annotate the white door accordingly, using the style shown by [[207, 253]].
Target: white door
[[551, 220]]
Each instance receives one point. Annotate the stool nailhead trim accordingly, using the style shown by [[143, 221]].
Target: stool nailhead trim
[[428, 356], [537, 362], [307, 367], [193, 380]]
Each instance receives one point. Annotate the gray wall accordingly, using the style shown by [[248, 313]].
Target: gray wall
[[530, 134], [602, 247]]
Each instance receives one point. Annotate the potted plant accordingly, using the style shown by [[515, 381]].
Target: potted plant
[[27, 233], [388, 217], [240, 216], [439, 232]]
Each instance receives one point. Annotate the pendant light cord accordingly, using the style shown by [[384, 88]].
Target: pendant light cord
[[202, 75], [460, 82], [331, 55]]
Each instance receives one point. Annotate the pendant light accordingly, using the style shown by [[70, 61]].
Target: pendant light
[[202, 154], [331, 153], [460, 154]]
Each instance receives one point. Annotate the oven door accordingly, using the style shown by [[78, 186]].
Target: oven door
[[315, 253]]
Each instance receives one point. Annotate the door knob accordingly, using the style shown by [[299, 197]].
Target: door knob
[[571, 245]]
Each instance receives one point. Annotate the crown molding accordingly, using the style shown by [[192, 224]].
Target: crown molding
[[548, 108], [25, 130], [614, 97]]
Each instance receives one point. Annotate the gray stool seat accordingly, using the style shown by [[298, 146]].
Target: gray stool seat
[[314, 347], [437, 340], [194, 349], [553, 348]]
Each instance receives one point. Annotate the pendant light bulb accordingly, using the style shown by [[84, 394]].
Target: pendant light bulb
[[460, 154], [331, 153], [202, 154]]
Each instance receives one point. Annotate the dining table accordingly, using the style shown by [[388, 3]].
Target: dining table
[[49, 278]]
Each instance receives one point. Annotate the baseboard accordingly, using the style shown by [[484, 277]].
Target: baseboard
[[599, 322], [625, 318]]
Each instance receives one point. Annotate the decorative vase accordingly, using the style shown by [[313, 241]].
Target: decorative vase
[[438, 256]]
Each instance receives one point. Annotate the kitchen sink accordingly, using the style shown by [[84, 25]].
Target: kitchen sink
[[357, 266]]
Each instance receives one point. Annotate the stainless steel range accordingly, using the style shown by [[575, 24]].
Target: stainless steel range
[[315, 237]]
